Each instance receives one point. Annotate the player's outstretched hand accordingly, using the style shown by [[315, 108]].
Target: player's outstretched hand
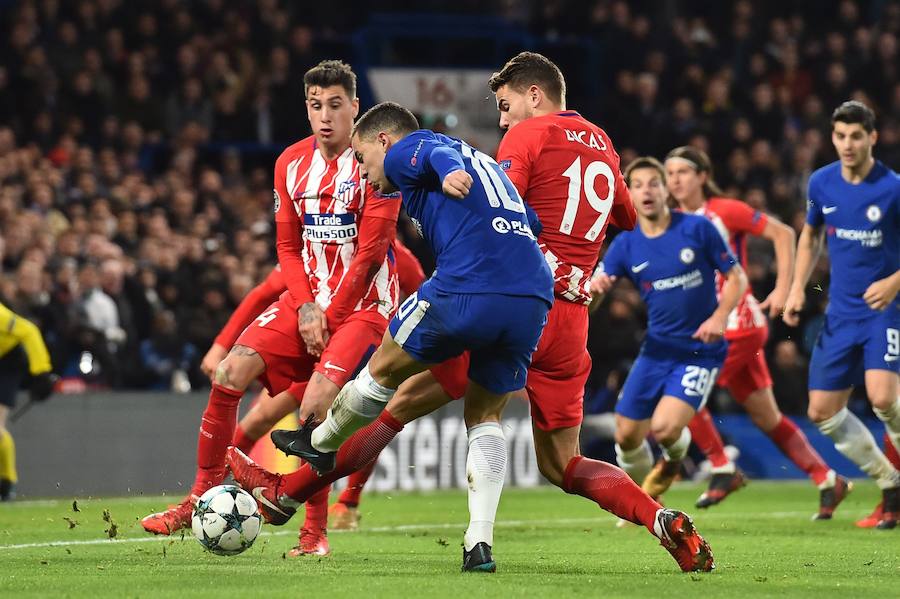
[[712, 329], [602, 283], [793, 307], [313, 328], [212, 358], [775, 302], [881, 293], [457, 184]]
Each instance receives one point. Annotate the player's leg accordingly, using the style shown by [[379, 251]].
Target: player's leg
[[233, 375], [726, 476], [266, 412], [622, 496], [486, 462], [505, 332], [8, 474], [763, 410], [841, 351], [637, 401], [269, 349], [416, 339], [560, 461], [632, 450], [12, 368], [882, 388], [668, 426], [416, 397]]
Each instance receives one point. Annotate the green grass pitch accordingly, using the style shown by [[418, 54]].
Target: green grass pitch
[[546, 544]]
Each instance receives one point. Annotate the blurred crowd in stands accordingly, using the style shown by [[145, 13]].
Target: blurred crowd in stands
[[137, 141]]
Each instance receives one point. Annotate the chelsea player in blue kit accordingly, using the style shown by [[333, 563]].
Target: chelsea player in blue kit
[[672, 259], [490, 294], [855, 204]]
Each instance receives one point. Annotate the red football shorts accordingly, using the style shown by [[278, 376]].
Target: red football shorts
[[350, 348], [275, 337], [559, 369], [745, 369]]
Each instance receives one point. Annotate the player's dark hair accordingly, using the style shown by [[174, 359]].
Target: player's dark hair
[[389, 117], [328, 73], [530, 68], [701, 163], [644, 162], [854, 111]]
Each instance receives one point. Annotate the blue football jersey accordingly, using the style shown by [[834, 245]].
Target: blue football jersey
[[482, 243], [675, 274], [862, 226]]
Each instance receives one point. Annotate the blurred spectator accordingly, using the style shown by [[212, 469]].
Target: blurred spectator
[[166, 357]]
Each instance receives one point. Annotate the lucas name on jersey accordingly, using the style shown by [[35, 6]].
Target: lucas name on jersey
[[586, 138]]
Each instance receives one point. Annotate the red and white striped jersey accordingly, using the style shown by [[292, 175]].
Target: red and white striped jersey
[[330, 204], [735, 220]]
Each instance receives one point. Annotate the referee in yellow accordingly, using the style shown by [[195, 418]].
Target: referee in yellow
[[22, 353]]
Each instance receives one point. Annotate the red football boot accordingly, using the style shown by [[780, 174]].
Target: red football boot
[[171, 520], [311, 542], [263, 485], [677, 534]]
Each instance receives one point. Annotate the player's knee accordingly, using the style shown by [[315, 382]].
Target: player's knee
[[666, 434], [627, 440], [551, 470], [233, 373], [883, 401], [819, 413]]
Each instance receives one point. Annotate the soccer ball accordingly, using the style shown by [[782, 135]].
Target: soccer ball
[[226, 520]]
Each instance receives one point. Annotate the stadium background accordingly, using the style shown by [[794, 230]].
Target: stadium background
[[137, 141]]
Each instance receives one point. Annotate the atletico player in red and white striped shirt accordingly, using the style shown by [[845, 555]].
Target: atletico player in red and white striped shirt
[[334, 235]]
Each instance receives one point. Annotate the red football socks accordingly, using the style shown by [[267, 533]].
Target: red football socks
[[609, 487], [360, 449], [705, 435], [317, 510], [242, 441], [355, 484], [794, 444], [216, 430], [891, 452]]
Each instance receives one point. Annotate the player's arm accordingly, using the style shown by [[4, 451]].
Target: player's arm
[[607, 272], [809, 246], [623, 214], [377, 229], [418, 164], [783, 239], [881, 294], [259, 298], [409, 271], [31, 340], [289, 243], [713, 328]]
